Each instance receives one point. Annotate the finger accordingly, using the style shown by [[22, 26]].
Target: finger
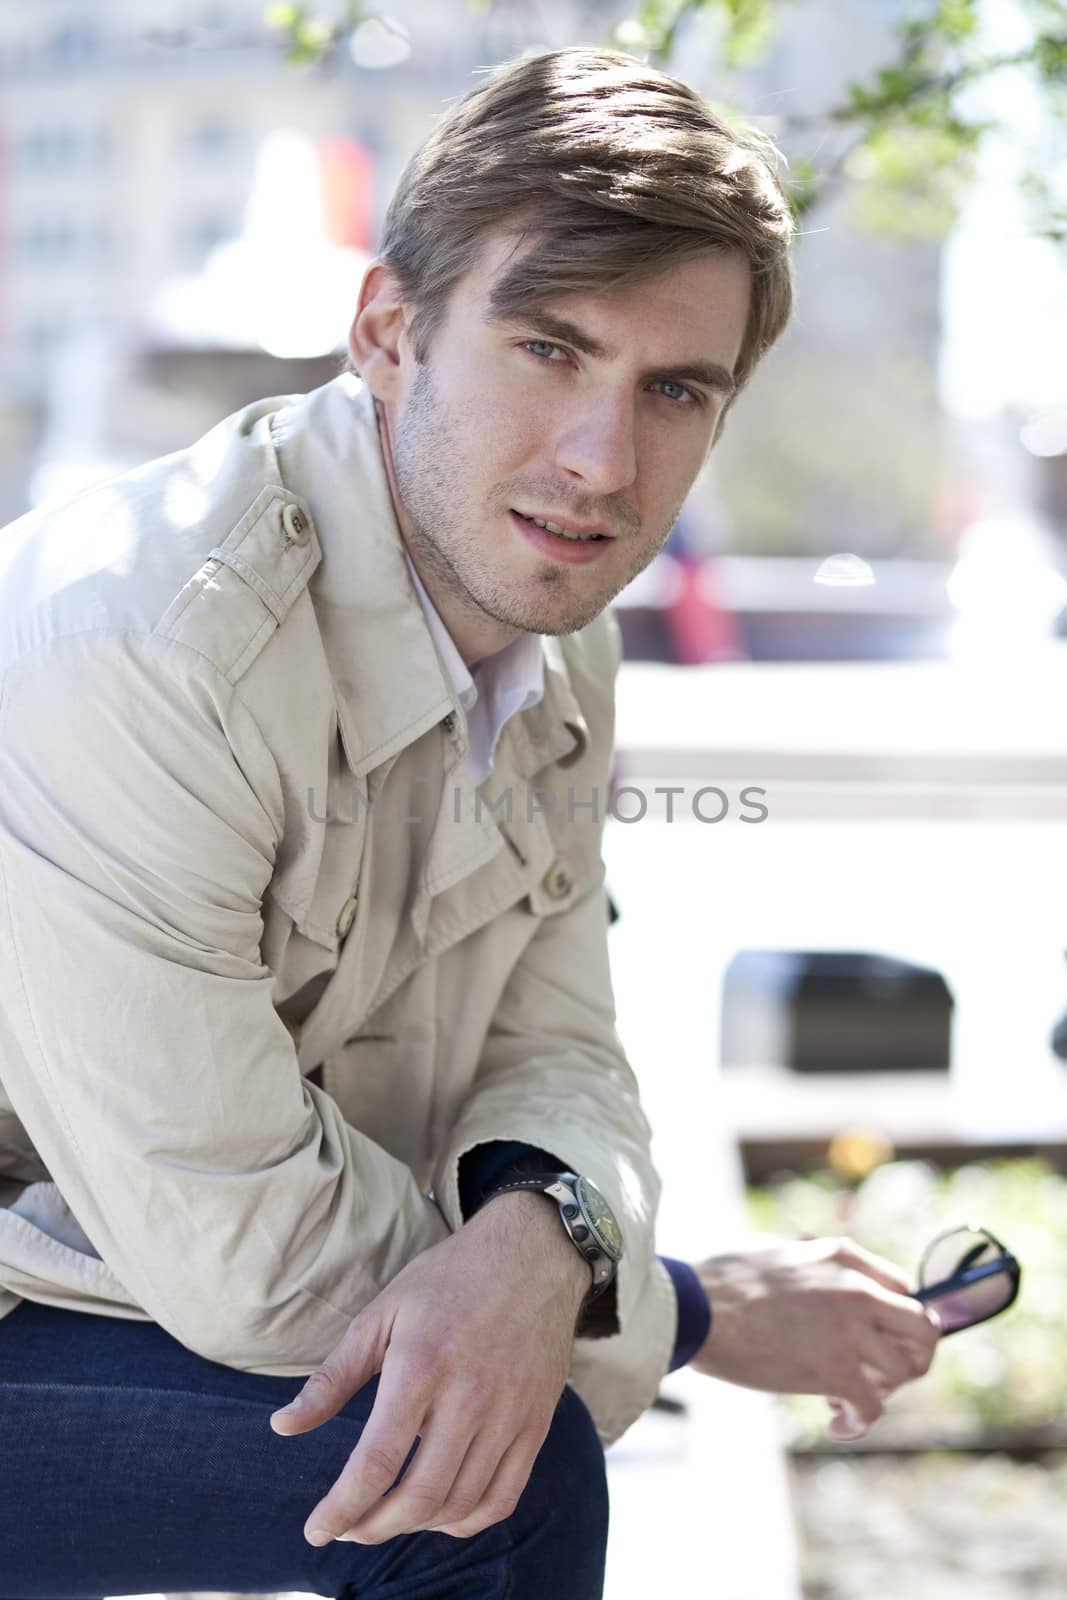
[[429, 1485], [906, 1318], [856, 1412], [375, 1464], [917, 1354], [851, 1254], [863, 1394], [480, 1466], [890, 1362], [889, 1312], [845, 1424], [344, 1372], [502, 1493], [886, 1369]]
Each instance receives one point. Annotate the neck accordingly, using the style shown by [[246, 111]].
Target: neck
[[474, 634]]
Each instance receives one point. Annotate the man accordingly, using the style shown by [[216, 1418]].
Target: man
[[307, 1037]]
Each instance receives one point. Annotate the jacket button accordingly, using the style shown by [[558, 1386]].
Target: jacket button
[[558, 881], [296, 525], [346, 916], [449, 722]]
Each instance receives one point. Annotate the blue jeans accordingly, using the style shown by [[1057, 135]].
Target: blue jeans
[[129, 1465]]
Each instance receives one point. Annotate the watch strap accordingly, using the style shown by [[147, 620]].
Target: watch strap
[[582, 1237], [598, 1317]]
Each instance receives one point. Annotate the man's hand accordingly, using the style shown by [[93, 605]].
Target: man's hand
[[473, 1342], [818, 1316]]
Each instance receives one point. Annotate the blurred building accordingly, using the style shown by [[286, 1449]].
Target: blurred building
[[129, 142], [176, 202], [128, 139]]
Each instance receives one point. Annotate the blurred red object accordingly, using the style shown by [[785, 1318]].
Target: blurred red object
[[700, 627], [347, 169]]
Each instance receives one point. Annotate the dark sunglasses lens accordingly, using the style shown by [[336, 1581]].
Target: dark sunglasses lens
[[959, 1308], [958, 1253]]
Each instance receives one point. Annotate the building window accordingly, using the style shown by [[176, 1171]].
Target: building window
[[213, 139], [53, 150], [100, 145], [74, 46], [42, 335], [47, 150], [45, 244], [199, 236]]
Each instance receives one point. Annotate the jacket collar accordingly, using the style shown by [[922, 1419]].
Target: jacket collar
[[390, 681]]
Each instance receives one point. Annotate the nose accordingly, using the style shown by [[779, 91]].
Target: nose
[[598, 446]]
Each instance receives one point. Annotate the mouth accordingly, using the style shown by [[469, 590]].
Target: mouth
[[571, 546], [576, 532]]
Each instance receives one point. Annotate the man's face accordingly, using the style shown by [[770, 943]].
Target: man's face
[[596, 413]]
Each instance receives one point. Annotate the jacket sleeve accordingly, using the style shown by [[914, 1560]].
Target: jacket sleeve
[[553, 1074], [566, 1086], [140, 811]]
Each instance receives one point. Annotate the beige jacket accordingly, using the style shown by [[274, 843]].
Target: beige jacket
[[238, 847]]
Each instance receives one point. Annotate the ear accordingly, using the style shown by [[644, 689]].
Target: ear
[[377, 339]]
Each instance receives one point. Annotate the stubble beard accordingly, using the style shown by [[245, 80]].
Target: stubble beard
[[428, 450]]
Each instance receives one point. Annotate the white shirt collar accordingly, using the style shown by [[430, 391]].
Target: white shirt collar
[[510, 680]]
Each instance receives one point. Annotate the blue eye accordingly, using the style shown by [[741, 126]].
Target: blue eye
[[544, 343], [684, 398]]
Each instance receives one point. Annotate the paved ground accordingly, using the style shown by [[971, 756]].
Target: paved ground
[[934, 1528]]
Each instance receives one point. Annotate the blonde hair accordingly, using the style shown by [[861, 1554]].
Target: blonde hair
[[619, 169]]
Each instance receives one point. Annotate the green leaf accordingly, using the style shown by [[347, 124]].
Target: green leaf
[[649, 28], [957, 19], [908, 178], [750, 26], [1050, 59], [803, 185], [635, 36], [314, 34], [284, 17]]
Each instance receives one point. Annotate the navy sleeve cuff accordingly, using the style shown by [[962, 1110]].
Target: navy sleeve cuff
[[484, 1168], [694, 1312]]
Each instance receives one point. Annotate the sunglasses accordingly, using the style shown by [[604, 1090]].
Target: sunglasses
[[969, 1276]]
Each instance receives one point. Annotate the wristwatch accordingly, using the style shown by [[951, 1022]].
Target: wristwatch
[[587, 1217]]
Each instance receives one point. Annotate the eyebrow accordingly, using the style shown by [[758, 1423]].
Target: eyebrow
[[712, 374]]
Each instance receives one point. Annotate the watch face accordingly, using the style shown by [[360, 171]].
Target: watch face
[[601, 1217]]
